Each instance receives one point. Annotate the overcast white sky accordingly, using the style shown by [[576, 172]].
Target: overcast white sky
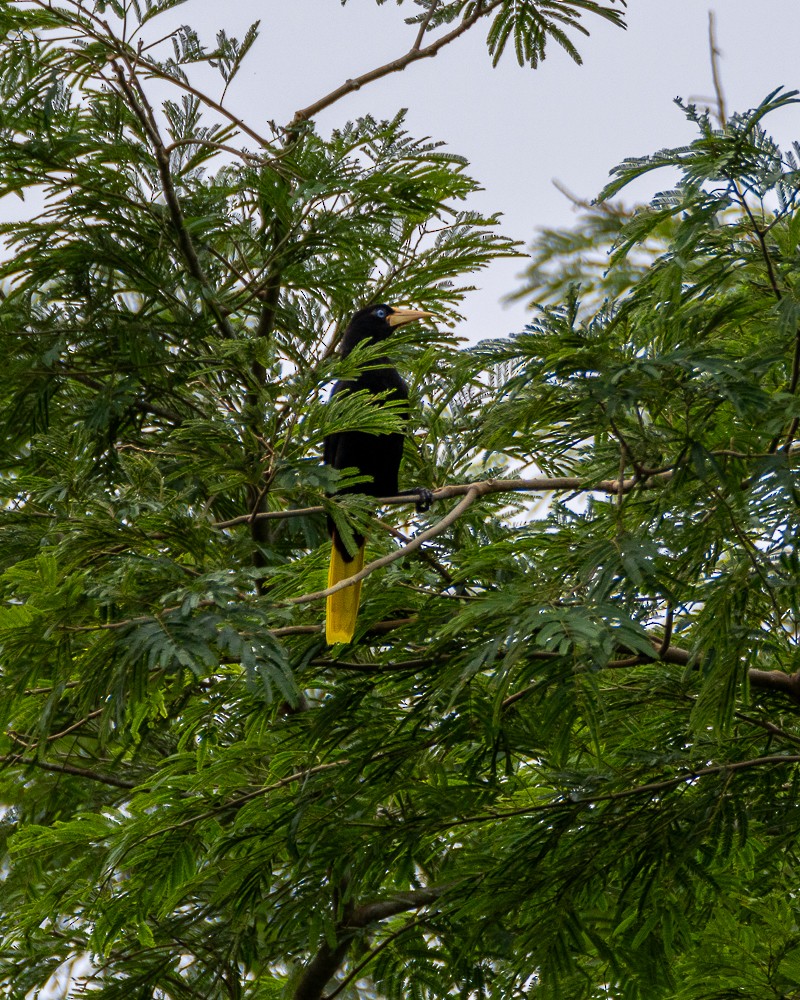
[[519, 128]]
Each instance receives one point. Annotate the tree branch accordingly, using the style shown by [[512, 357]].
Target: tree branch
[[142, 405], [769, 680], [472, 494], [722, 114], [123, 50], [395, 66], [55, 736], [137, 101], [379, 628], [79, 772], [373, 953], [776, 680], [538, 484], [650, 788], [424, 25], [328, 959]]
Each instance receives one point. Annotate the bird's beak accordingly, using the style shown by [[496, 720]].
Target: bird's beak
[[399, 317]]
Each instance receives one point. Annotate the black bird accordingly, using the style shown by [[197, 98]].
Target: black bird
[[375, 455]]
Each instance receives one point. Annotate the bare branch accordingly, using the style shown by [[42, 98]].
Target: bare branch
[[538, 484], [472, 494], [395, 66], [722, 115]]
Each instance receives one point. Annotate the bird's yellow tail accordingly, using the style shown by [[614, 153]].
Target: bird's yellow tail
[[342, 607]]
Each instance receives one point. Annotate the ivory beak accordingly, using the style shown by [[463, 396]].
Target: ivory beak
[[399, 317]]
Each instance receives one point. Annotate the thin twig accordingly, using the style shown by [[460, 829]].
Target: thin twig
[[424, 25], [79, 772], [651, 788], [373, 668], [137, 101], [668, 625], [23, 740], [426, 556], [722, 115], [240, 800], [123, 50], [421, 538]]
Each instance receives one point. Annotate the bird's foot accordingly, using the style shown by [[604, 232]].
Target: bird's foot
[[424, 499]]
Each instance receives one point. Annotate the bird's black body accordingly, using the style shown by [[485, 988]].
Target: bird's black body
[[375, 455]]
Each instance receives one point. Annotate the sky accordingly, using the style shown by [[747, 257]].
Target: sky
[[520, 129]]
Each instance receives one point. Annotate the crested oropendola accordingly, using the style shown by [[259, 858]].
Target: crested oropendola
[[375, 455]]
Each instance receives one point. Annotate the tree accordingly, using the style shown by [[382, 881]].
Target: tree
[[561, 757]]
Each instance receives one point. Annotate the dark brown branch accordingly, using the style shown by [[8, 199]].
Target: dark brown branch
[[374, 952], [328, 959], [50, 688], [776, 680], [426, 556], [768, 726], [792, 432], [79, 772], [374, 668], [137, 101], [768, 680], [668, 625], [257, 492], [651, 788], [762, 240]]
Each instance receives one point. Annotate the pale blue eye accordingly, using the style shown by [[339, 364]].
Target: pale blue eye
[[381, 313]]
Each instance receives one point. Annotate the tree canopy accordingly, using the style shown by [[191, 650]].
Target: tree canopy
[[560, 758]]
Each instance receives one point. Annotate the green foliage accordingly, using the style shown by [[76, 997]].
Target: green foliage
[[530, 25], [561, 758]]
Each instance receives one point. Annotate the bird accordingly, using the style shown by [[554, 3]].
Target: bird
[[377, 456]]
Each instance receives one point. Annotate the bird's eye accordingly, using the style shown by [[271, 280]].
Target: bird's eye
[[381, 313]]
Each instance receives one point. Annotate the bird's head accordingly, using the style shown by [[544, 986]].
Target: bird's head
[[375, 323]]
